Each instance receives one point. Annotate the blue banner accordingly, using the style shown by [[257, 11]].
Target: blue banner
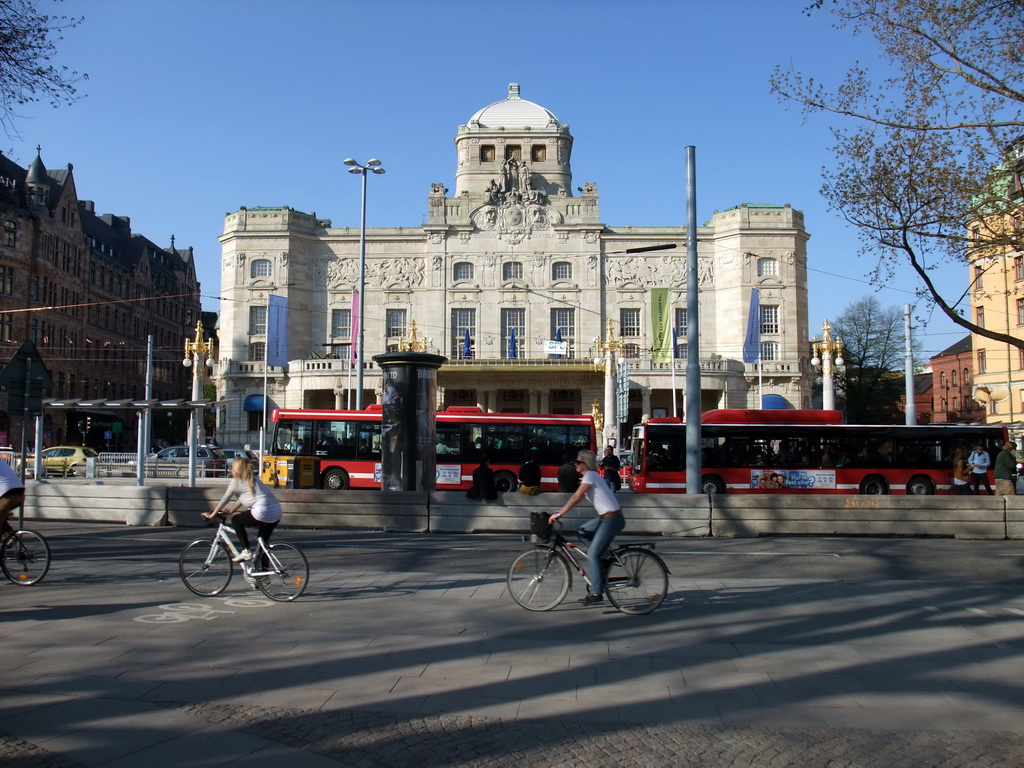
[[277, 331], [752, 342]]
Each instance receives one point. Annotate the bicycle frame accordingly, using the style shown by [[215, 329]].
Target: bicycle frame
[[224, 535]]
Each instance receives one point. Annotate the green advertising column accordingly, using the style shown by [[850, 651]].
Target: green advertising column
[[409, 401]]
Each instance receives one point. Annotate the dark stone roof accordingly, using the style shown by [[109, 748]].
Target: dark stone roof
[[964, 345]]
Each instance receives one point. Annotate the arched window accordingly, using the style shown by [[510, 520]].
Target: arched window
[[512, 270], [942, 379], [967, 377], [561, 270], [462, 271], [767, 266], [952, 377], [259, 268]]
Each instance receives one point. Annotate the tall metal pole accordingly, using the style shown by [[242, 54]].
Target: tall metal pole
[[361, 302], [693, 465], [911, 409]]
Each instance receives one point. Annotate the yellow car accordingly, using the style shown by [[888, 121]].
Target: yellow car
[[66, 460]]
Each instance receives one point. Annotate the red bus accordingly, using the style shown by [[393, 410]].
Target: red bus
[[772, 451], [347, 445]]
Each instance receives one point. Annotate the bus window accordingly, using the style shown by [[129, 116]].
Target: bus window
[[449, 442]]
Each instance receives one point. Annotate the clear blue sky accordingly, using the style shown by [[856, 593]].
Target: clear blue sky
[[195, 108]]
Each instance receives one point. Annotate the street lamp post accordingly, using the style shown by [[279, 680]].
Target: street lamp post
[[607, 352], [197, 353], [828, 354], [372, 166]]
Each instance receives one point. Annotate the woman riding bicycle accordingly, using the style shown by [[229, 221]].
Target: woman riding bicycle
[[262, 509], [600, 531], [12, 495]]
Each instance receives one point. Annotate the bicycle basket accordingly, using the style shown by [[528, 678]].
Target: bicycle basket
[[540, 527]]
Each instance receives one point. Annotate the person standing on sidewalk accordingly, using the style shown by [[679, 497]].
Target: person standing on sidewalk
[[961, 473], [598, 532], [1006, 470], [980, 462]]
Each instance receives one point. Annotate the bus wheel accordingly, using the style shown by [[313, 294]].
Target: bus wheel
[[505, 482], [712, 485], [920, 486], [335, 480], [873, 485]]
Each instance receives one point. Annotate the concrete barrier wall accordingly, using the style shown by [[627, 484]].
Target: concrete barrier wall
[[977, 517]]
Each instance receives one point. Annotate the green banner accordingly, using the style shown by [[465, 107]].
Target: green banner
[[661, 326]]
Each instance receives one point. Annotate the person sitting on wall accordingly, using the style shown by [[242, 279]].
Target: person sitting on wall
[[568, 477], [529, 477]]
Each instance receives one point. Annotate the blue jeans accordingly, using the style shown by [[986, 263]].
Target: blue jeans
[[598, 534]]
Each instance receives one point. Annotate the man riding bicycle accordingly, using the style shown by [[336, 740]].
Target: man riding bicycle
[[12, 495], [598, 532]]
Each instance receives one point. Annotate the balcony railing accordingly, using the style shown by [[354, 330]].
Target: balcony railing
[[713, 364]]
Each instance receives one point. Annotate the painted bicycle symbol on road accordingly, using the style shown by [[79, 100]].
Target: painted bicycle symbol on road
[[179, 613]]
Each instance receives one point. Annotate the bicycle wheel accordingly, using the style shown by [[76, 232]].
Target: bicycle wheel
[[291, 573], [539, 579], [205, 567], [25, 558], [639, 585]]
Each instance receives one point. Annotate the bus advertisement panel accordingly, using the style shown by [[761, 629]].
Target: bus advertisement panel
[[803, 452], [347, 446]]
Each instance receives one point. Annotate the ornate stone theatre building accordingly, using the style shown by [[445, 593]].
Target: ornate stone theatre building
[[517, 280]]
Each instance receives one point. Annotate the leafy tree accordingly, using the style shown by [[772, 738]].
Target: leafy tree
[[28, 43], [928, 156], [870, 384]]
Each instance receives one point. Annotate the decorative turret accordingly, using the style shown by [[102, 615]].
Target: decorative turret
[[38, 181]]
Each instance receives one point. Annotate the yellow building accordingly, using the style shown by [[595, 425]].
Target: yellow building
[[996, 262]]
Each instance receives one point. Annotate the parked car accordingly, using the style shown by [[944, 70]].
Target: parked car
[[210, 461], [64, 460], [232, 452]]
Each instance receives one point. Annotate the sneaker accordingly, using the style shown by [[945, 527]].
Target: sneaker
[[592, 599], [245, 554]]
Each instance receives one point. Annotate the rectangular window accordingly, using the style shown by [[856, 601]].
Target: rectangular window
[[980, 316], [1020, 311], [257, 321], [563, 328], [769, 350], [982, 361], [513, 320], [681, 323], [6, 327], [341, 323], [513, 151], [956, 403], [463, 339], [1020, 359], [10, 233], [538, 153], [257, 351], [629, 320], [769, 320], [394, 323], [7, 281], [486, 153], [1018, 268], [978, 272]]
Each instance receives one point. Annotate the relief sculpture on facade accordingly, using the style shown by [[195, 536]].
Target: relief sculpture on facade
[[382, 273], [512, 206]]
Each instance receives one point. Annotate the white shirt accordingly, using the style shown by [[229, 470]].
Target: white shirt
[[599, 494], [264, 505]]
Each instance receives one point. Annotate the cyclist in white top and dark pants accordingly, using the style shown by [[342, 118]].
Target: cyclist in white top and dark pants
[[600, 531]]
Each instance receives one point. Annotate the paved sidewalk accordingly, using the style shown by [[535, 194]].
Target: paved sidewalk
[[120, 666]]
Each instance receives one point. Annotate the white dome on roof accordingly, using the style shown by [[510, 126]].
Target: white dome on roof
[[513, 112]]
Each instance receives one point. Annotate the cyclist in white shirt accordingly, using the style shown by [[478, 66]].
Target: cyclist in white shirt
[[599, 531]]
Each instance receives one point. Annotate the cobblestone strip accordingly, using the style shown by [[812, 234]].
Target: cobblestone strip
[[16, 753], [384, 740]]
